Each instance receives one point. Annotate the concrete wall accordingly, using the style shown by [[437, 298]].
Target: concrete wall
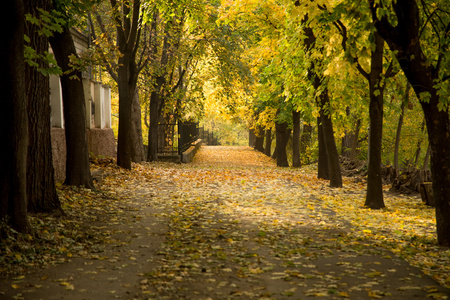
[[101, 143], [188, 155], [59, 153]]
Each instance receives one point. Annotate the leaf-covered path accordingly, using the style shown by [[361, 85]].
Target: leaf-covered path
[[233, 226]]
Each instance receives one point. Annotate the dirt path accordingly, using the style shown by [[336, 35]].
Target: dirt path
[[228, 226]]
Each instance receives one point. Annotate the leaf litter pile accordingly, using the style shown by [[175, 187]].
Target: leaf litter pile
[[233, 225]]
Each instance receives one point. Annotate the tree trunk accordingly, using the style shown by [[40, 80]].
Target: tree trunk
[[126, 94], [282, 136], [355, 141], [268, 142], [323, 169], [399, 126], [127, 74], [326, 133], [349, 143], [13, 119], [274, 154], [426, 160], [296, 139], [329, 142], [259, 139], [439, 136], [152, 152], [77, 164], [347, 139], [127, 80], [374, 196], [419, 146], [305, 140], [137, 144], [251, 138], [41, 191]]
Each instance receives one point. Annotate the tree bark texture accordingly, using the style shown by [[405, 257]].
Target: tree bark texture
[[78, 171], [282, 137], [127, 74], [305, 141], [137, 144], [329, 141], [326, 129], [125, 107], [350, 139], [259, 139], [296, 163], [374, 196], [41, 191], [268, 142], [323, 169], [152, 152], [13, 118], [251, 138], [404, 39]]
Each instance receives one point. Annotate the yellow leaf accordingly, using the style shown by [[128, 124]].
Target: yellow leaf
[[67, 285], [15, 286]]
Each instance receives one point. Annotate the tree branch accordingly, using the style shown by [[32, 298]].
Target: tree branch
[[109, 67]]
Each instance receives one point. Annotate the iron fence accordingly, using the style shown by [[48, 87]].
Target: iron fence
[[175, 138], [188, 135], [208, 137]]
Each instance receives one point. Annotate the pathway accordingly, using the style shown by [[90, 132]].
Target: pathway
[[228, 226]]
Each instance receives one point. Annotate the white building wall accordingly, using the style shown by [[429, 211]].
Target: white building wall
[[56, 104]]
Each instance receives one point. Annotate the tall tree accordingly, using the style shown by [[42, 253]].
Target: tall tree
[[427, 77], [78, 171], [41, 190], [296, 139], [268, 142], [376, 79], [13, 118], [374, 196], [323, 169], [136, 143], [156, 96], [125, 66], [326, 139], [128, 34], [282, 137], [259, 142]]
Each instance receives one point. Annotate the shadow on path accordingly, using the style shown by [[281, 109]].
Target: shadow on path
[[229, 226]]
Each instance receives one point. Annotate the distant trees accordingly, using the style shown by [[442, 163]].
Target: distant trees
[[314, 53]]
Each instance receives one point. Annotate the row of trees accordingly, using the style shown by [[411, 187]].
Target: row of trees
[[27, 176], [152, 50], [279, 64], [334, 63]]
